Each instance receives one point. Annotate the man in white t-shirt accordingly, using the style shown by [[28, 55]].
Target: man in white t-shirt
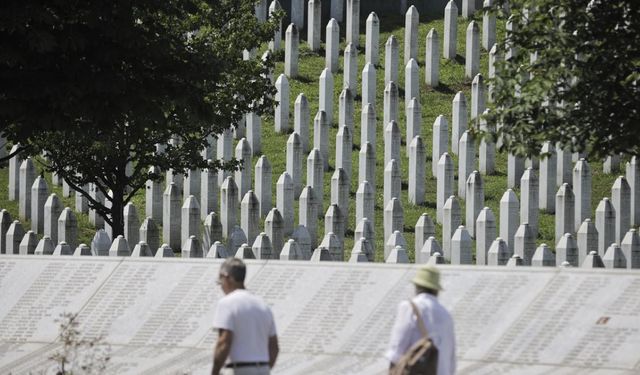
[[247, 341], [436, 318]]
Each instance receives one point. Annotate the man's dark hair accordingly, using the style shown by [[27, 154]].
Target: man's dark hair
[[421, 289], [234, 268]]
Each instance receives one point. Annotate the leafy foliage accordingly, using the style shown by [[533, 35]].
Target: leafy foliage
[[572, 75], [101, 87]]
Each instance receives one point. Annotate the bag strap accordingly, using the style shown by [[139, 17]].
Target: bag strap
[[421, 325]]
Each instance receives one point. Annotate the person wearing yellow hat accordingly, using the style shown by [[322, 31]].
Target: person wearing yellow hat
[[437, 321]]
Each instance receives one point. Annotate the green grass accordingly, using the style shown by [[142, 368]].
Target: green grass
[[434, 102]]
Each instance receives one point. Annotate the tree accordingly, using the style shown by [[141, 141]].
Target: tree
[[101, 87], [573, 77]]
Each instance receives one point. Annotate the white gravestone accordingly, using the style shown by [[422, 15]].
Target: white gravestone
[[509, 218], [444, 183], [432, 59], [372, 39], [332, 47], [450, 30], [605, 224], [472, 51]]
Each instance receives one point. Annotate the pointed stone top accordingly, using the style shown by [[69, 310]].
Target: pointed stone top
[[285, 178], [631, 238], [365, 188], [190, 202], [432, 34], [391, 86], [321, 116], [412, 10], [263, 161], [250, 196], [392, 40], [349, 49], [398, 255], [509, 196], [460, 98], [332, 23], [494, 49], [372, 16], [412, 64], [164, 251], [282, 79], [485, 215], [436, 258], [582, 165], [451, 5], [314, 154], [367, 148], [275, 4], [346, 92], [292, 29], [368, 67], [477, 79], [473, 25], [440, 120], [416, 141], [593, 260], [451, 203], [586, 226], [620, 183], [394, 204], [307, 192]]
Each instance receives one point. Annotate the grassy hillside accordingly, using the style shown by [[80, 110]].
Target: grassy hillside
[[434, 102]]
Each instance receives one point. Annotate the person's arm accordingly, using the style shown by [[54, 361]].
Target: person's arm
[[222, 349], [274, 349]]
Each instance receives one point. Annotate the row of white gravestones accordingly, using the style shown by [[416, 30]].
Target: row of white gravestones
[[332, 30], [490, 249], [621, 192], [14, 239], [622, 189], [530, 207]]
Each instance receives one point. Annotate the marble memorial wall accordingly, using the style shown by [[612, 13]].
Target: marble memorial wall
[[333, 318]]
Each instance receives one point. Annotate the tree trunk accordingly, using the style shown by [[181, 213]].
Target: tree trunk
[[117, 214]]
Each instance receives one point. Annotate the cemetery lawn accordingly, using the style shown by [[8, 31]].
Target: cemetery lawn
[[434, 102]]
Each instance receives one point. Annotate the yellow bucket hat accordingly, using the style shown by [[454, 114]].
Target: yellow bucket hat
[[428, 277]]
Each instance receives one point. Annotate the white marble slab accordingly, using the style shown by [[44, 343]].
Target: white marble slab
[[331, 317], [34, 291]]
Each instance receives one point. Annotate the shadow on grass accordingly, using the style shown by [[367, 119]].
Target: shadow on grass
[[304, 79]]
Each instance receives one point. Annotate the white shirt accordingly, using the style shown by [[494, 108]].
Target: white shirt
[[439, 324], [251, 322]]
